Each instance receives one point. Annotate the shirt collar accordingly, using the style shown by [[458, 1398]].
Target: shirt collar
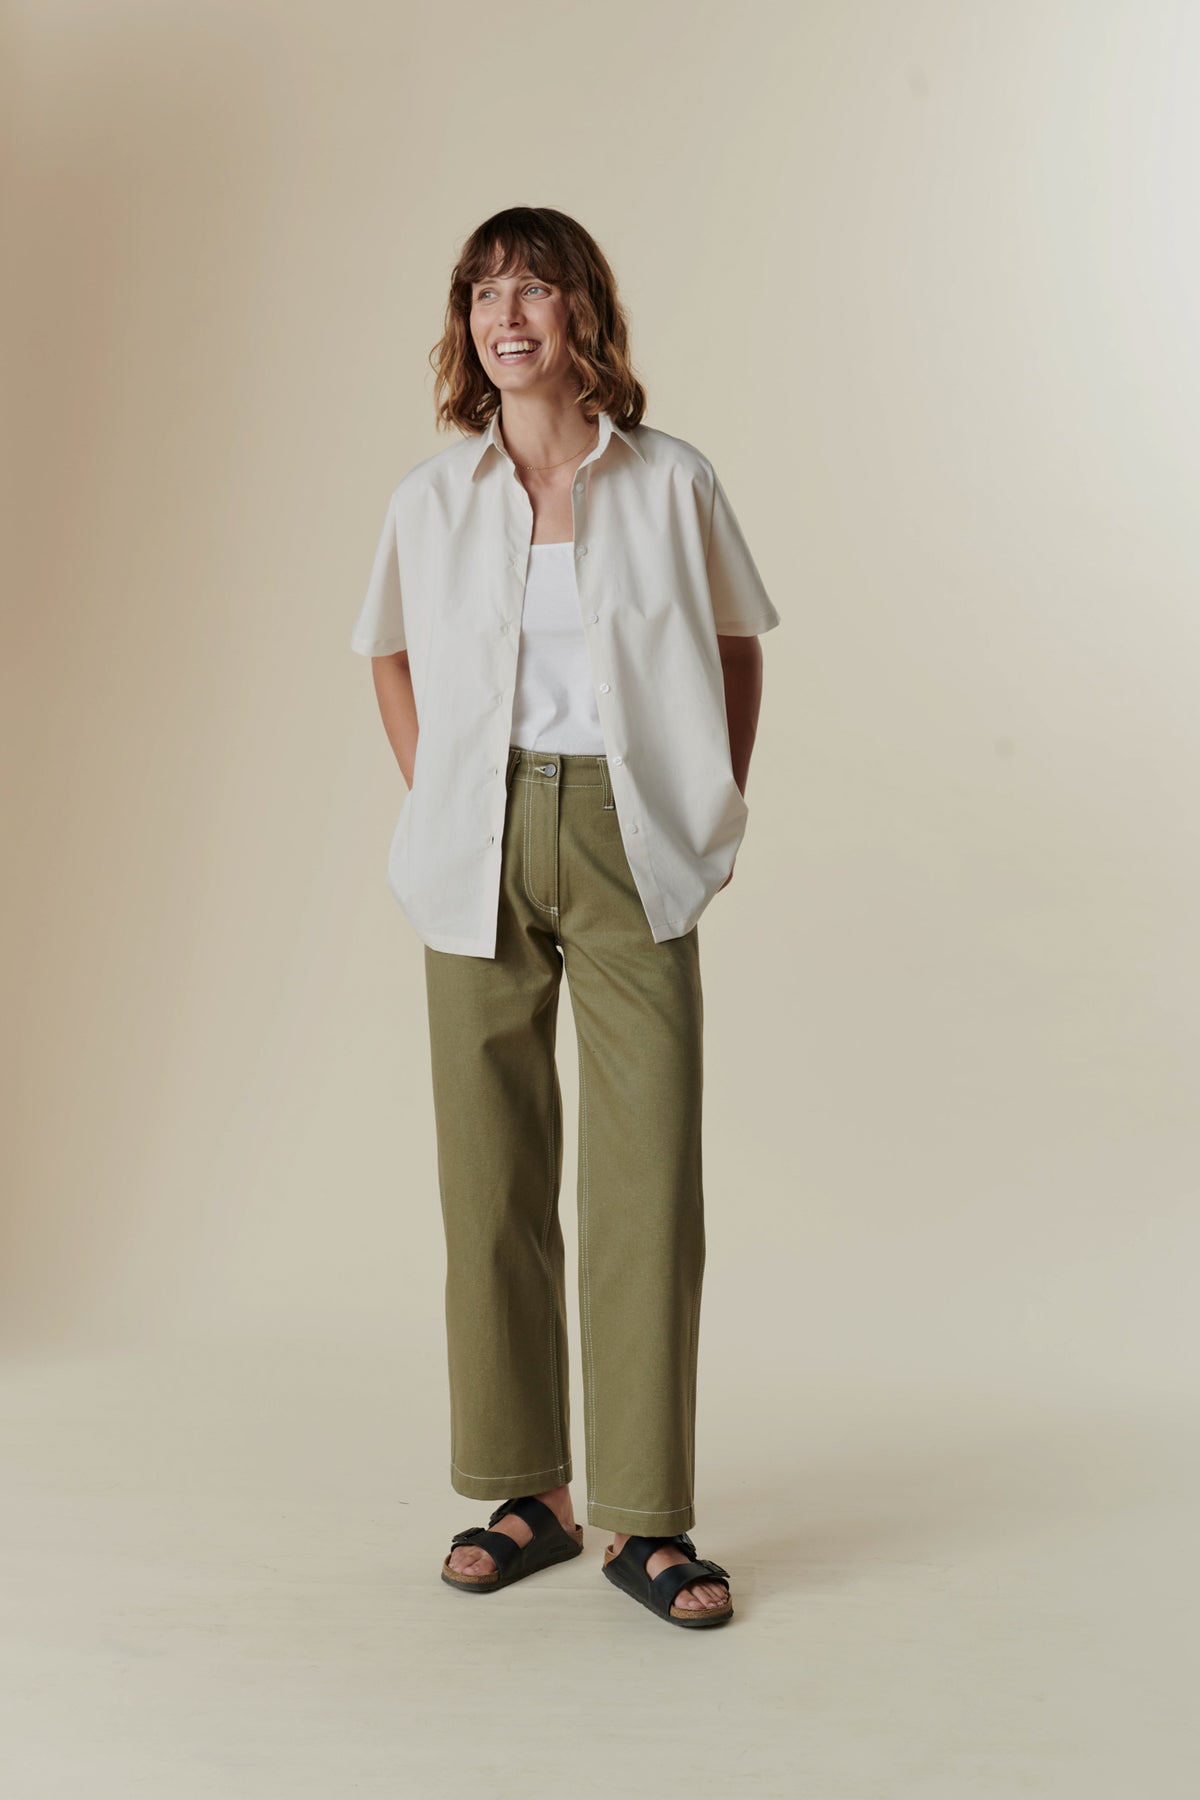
[[490, 439]]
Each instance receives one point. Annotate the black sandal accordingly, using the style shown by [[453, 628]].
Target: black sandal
[[549, 1544], [626, 1569]]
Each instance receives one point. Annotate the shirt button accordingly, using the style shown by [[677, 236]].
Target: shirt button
[[604, 687], [583, 550], [594, 617], [616, 759], [633, 828], [503, 629]]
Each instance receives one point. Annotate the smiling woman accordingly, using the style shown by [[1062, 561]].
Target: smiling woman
[[535, 275], [562, 582]]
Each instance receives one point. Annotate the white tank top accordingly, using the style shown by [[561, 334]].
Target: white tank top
[[554, 705]]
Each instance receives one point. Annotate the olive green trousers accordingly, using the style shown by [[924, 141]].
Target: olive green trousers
[[568, 903]]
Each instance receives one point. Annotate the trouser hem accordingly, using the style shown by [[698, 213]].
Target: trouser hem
[[641, 1524], [508, 1487]]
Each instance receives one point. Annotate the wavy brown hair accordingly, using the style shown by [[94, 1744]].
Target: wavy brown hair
[[560, 251]]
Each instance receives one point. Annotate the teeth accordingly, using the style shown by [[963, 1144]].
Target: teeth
[[515, 348]]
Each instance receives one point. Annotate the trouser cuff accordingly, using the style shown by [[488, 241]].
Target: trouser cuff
[[508, 1487], [641, 1524]]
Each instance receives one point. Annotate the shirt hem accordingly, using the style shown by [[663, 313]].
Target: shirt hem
[[457, 946], [378, 647], [744, 627]]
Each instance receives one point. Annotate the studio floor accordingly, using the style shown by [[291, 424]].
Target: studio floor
[[219, 1566]]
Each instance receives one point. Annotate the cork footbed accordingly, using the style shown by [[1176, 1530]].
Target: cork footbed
[[688, 1612], [491, 1576]]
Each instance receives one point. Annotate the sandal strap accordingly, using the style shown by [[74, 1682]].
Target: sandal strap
[[499, 1546], [640, 1549], [536, 1514], [668, 1582]]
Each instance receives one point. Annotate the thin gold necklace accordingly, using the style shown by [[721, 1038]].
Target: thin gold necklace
[[538, 468]]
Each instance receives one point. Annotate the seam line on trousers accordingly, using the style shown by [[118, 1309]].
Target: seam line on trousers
[[549, 1271], [589, 1366], [660, 1512], [555, 1469], [694, 1349], [532, 781], [540, 904]]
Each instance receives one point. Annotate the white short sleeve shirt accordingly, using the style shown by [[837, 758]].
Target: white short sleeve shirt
[[662, 568]]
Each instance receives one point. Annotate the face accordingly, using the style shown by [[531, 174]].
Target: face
[[521, 309]]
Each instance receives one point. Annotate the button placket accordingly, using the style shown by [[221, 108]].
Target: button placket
[[581, 550]]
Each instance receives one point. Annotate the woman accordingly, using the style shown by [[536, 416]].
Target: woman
[[562, 620]]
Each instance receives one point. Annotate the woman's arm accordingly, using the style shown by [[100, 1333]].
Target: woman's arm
[[741, 665], [397, 708]]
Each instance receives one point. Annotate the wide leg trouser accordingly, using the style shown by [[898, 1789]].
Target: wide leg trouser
[[568, 903]]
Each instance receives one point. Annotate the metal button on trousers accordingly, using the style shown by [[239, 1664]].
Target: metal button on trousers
[[569, 905]]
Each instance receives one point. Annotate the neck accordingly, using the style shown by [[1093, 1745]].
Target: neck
[[541, 431]]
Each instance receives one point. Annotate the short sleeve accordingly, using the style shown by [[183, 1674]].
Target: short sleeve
[[741, 605], [379, 628]]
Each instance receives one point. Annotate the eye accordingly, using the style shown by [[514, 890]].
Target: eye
[[483, 292]]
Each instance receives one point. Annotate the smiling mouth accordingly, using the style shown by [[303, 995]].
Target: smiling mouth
[[521, 349]]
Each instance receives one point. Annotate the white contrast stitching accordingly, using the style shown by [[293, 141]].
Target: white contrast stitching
[[549, 1271], [589, 1366], [641, 1511], [554, 887], [532, 781], [540, 904], [558, 1469], [695, 1353]]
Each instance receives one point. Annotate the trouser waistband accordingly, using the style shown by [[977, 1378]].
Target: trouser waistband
[[573, 769]]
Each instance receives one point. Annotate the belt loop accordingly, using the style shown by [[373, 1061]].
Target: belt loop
[[514, 757], [608, 804]]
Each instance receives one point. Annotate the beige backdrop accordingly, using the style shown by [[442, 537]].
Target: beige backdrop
[[920, 278]]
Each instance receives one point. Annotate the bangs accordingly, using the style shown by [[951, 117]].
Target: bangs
[[512, 249]]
